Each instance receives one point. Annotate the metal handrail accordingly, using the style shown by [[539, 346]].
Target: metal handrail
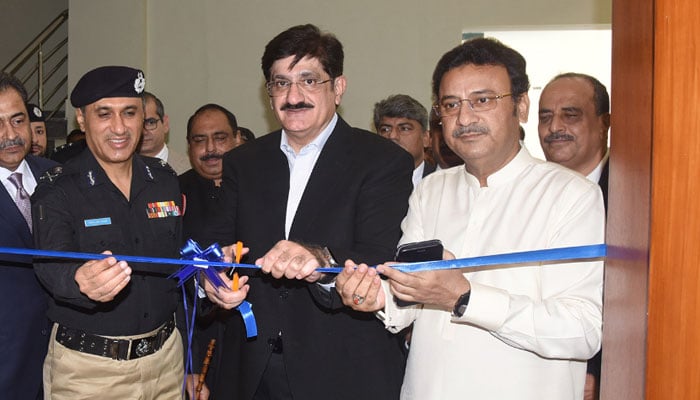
[[43, 76], [21, 58]]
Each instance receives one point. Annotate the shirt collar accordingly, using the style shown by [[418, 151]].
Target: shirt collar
[[22, 168], [418, 173], [92, 173], [594, 176], [163, 153], [316, 144], [508, 172]]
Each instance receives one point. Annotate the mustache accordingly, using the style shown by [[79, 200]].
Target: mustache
[[557, 136], [211, 156], [18, 141], [298, 106], [471, 128]]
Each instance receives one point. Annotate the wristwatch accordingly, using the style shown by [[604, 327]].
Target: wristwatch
[[461, 304]]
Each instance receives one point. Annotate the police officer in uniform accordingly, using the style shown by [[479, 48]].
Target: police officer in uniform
[[114, 333]]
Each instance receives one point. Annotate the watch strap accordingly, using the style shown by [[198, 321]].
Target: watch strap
[[461, 304]]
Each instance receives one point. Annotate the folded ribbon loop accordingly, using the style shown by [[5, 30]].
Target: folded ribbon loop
[[192, 251], [246, 310]]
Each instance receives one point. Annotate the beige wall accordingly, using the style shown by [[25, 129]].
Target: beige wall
[[22, 21], [209, 50]]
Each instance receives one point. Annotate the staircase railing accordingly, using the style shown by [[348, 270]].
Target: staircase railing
[[45, 79]]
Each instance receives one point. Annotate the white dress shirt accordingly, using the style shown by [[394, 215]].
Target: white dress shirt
[[28, 180], [300, 167]]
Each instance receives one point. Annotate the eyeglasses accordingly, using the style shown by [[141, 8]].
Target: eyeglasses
[[280, 87], [450, 106], [151, 123]]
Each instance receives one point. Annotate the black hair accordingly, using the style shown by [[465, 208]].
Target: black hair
[[484, 51], [305, 41], [209, 107]]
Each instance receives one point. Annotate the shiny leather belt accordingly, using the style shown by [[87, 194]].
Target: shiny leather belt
[[116, 349]]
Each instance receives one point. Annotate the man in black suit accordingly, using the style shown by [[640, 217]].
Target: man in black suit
[[211, 131], [23, 323], [317, 187], [404, 121], [574, 119]]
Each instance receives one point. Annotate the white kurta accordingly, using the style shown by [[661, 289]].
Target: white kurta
[[527, 328]]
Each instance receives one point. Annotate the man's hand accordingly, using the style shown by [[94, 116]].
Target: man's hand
[[230, 253], [102, 280], [439, 288], [191, 386], [360, 287], [226, 297], [290, 260], [589, 388]]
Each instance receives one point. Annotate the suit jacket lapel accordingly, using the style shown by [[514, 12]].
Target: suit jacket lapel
[[428, 168], [322, 187], [12, 217], [10, 214], [274, 178]]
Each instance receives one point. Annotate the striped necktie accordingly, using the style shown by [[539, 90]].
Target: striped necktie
[[22, 198]]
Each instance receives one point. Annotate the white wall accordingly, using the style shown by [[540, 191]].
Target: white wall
[[209, 50], [553, 51]]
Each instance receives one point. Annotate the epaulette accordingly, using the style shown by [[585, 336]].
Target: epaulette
[[158, 164], [67, 151], [52, 174]]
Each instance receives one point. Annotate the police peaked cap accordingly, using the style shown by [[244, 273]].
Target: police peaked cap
[[104, 82], [35, 113]]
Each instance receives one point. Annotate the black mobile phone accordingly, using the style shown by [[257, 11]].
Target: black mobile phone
[[428, 250]]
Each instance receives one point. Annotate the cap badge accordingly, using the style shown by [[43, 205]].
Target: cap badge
[[139, 83], [37, 112]]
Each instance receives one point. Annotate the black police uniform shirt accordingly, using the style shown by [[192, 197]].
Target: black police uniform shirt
[[79, 209]]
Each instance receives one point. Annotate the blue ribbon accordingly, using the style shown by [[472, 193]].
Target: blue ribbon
[[192, 251], [208, 258], [557, 254], [251, 327], [547, 255]]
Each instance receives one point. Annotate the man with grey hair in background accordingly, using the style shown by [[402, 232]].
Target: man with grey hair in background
[[404, 121]]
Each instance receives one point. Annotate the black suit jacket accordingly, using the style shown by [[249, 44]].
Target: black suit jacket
[[594, 364], [354, 202], [603, 182], [428, 169], [24, 327]]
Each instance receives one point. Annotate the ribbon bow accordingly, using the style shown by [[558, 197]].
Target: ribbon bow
[[192, 251]]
